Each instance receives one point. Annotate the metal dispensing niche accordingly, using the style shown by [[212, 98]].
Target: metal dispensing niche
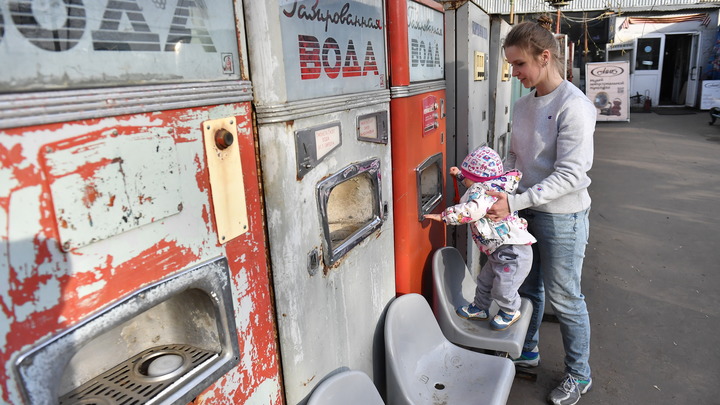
[[501, 145], [164, 344], [350, 204], [429, 177]]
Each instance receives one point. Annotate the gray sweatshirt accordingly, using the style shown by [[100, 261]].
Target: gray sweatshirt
[[552, 145]]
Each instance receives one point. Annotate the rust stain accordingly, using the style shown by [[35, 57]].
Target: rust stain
[[143, 199], [90, 195], [111, 203]]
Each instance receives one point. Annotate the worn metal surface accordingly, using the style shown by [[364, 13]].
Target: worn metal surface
[[469, 112], [190, 310], [44, 290], [328, 317], [500, 88], [25, 109]]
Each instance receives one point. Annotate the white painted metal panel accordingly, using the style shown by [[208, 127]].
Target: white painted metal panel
[[109, 186], [500, 87], [471, 85], [327, 318]]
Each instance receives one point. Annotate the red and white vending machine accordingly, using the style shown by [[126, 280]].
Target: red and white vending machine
[[132, 245], [416, 31]]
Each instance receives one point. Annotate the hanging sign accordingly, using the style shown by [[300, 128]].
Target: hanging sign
[[607, 87]]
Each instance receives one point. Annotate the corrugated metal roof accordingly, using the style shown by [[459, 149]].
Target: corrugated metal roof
[[540, 6]]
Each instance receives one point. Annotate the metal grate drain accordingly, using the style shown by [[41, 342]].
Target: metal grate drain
[[139, 378]]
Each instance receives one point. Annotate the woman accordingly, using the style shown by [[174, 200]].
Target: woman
[[552, 145]]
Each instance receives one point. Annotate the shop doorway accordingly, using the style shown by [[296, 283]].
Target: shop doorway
[[676, 85]]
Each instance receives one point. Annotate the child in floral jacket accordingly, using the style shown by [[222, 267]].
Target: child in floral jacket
[[506, 243]]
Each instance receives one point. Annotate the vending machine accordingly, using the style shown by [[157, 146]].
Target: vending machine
[[133, 252], [323, 114], [468, 65], [500, 88], [417, 110]]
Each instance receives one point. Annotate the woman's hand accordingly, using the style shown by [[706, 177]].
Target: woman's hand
[[501, 209], [434, 217]]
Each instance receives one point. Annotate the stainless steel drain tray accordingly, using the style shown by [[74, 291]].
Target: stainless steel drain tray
[[130, 382], [188, 317]]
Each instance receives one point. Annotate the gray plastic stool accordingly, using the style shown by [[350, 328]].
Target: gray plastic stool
[[423, 367], [454, 286], [346, 388]]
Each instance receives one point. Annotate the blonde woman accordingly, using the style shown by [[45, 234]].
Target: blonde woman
[[552, 145]]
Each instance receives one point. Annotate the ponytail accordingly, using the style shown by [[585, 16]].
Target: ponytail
[[534, 38]]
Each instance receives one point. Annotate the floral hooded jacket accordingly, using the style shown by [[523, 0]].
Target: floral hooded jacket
[[473, 207]]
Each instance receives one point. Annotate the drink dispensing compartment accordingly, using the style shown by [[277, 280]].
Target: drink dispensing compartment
[[351, 208], [429, 184], [162, 345]]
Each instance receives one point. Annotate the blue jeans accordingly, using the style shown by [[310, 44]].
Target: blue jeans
[[556, 273]]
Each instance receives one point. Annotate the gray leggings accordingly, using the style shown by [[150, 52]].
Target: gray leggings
[[501, 277]]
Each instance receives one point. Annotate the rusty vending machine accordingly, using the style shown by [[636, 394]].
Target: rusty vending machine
[[322, 105], [468, 65], [133, 253], [500, 88], [417, 109]]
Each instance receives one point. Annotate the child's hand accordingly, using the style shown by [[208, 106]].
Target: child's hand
[[434, 217], [454, 171]]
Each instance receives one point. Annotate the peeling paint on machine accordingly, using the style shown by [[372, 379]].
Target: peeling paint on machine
[[107, 210]]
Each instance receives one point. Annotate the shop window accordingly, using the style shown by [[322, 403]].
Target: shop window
[[648, 54]]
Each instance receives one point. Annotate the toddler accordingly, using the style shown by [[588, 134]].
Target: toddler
[[506, 243]]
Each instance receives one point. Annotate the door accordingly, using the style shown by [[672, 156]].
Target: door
[[675, 69], [694, 74], [648, 66]]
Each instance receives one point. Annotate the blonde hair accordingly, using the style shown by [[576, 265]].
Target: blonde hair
[[535, 37]]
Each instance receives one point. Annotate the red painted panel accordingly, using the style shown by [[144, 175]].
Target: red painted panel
[[44, 290], [415, 241]]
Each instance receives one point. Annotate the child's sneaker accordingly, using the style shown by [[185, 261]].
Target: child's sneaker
[[472, 312], [528, 359], [569, 391], [503, 320]]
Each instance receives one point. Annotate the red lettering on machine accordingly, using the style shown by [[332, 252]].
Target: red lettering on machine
[[314, 60]]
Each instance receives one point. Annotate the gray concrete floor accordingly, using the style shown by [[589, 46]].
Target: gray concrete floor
[[652, 269]]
